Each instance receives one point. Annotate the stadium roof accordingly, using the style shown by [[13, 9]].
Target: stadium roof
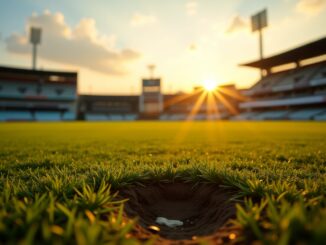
[[309, 50], [6, 69], [28, 75]]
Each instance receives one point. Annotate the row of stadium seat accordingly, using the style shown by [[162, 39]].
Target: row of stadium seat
[[164, 117], [198, 117], [303, 114], [16, 116], [270, 115], [320, 77], [299, 78], [320, 117], [18, 90], [110, 117], [47, 116], [284, 81], [36, 116], [285, 101]]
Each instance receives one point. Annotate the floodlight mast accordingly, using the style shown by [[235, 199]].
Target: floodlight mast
[[261, 52], [259, 22], [151, 69], [34, 57], [35, 39]]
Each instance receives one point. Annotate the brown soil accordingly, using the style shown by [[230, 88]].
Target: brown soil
[[205, 210]]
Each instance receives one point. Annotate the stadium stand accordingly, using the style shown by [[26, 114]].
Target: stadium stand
[[222, 104], [37, 95], [320, 117], [16, 116], [306, 114], [108, 108], [176, 107], [297, 92]]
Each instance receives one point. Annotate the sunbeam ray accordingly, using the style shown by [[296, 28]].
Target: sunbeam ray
[[226, 103], [212, 108], [232, 94], [181, 98], [187, 124], [197, 106]]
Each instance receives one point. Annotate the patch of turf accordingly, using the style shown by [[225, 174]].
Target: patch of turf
[[54, 177]]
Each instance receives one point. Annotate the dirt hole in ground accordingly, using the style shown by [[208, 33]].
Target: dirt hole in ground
[[204, 209]]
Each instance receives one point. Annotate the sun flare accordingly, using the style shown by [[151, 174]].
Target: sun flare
[[210, 85]]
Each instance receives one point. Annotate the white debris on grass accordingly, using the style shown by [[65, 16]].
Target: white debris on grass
[[168, 222]]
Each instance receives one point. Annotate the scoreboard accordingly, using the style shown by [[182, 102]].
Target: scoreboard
[[151, 98]]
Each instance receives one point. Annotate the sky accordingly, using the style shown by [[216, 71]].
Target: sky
[[111, 42]]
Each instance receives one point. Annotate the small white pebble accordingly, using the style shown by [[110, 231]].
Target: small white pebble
[[168, 222]]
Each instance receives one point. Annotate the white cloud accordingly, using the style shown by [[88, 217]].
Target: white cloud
[[141, 19], [82, 45], [310, 7], [191, 8], [238, 24]]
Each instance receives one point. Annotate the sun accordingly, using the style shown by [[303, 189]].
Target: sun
[[210, 85]]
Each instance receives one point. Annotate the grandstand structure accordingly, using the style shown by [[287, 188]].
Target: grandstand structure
[[195, 105], [293, 86], [223, 103], [37, 95], [108, 108]]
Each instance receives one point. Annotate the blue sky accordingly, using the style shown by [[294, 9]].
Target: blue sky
[[111, 42]]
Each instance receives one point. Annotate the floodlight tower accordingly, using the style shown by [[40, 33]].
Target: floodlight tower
[[258, 23], [35, 39], [151, 68]]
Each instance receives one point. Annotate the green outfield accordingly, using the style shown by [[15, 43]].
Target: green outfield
[[54, 177]]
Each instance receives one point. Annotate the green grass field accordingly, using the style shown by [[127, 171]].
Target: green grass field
[[54, 177]]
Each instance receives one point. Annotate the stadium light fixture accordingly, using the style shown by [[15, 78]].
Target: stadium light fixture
[[151, 68], [258, 23], [35, 39]]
